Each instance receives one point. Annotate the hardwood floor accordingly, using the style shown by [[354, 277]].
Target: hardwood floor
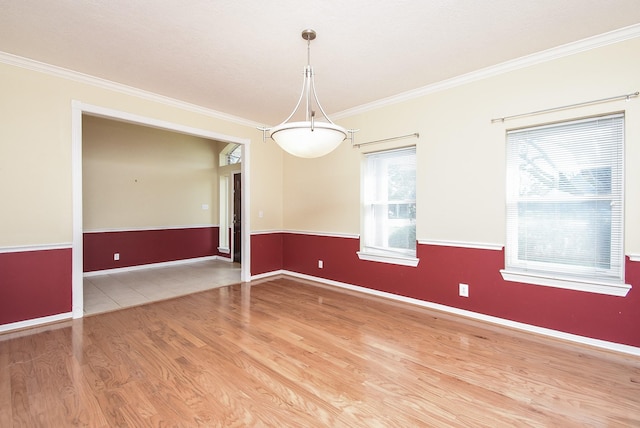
[[286, 353]]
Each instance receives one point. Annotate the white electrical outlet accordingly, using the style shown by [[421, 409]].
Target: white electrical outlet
[[116, 256], [320, 264], [463, 290]]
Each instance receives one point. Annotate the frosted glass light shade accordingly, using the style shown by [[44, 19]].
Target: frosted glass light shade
[[298, 139]]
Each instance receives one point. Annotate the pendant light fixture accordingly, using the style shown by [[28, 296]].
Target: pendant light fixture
[[310, 138]]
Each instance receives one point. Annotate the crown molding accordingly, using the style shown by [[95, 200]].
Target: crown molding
[[561, 51], [568, 49], [41, 67]]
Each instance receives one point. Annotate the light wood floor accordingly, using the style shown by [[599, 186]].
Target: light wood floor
[[112, 291], [283, 353]]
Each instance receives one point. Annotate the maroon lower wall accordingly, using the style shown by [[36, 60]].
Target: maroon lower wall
[[34, 284], [266, 252], [142, 247], [442, 268]]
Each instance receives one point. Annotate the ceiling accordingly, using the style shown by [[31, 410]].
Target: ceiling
[[245, 57]]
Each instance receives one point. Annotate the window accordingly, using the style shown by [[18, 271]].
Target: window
[[389, 207], [231, 154], [565, 204], [223, 235]]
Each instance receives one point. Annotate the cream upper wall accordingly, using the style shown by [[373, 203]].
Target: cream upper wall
[[35, 160], [266, 185], [35, 153], [461, 154], [137, 177], [322, 195]]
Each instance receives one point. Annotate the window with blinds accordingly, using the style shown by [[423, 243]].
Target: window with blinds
[[389, 196], [565, 199]]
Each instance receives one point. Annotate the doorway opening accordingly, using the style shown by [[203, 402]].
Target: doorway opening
[[78, 110], [230, 202]]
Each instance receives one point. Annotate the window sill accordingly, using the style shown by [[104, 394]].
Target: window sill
[[600, 287], [224, 250], [385, 258]]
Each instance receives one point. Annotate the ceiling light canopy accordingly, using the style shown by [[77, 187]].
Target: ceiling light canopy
[[310, 138]]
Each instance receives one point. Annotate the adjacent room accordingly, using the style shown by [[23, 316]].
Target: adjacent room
[[346, 214], [152, 198]]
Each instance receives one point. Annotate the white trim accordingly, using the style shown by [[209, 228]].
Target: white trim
[[224, 250], [75, 76], [37, 247], [568, 49], [143, 229], [77, 260], [594, 42], [608, 288], [124, 116], [634, 257], [35, 322], [266, 232], [268, 274], [597, 343], [78, 108], [150, 265], [304, 232], [327, 234], [385, 258], [573, 48], [461, 244]]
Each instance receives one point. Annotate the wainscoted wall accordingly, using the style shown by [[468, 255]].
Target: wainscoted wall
[[141, 247], [442, 268], [34, 284], [266, 252]]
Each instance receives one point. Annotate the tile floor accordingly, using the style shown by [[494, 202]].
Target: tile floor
[[112, 291]]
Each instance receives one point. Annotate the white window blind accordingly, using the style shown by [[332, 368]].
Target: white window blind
[[389, 197], [565, 199]]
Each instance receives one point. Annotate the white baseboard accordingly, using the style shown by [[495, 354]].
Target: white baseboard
[[612, 346], [268, 274], [35, 322], [603, 344], [152, 265]]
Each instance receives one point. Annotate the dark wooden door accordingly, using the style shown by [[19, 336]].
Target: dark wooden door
[[237, 218]]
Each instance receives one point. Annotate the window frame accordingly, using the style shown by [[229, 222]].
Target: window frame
[[229, 156], [376, 253], [611, 281]]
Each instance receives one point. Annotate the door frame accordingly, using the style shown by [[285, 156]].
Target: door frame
[[78, 109]]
